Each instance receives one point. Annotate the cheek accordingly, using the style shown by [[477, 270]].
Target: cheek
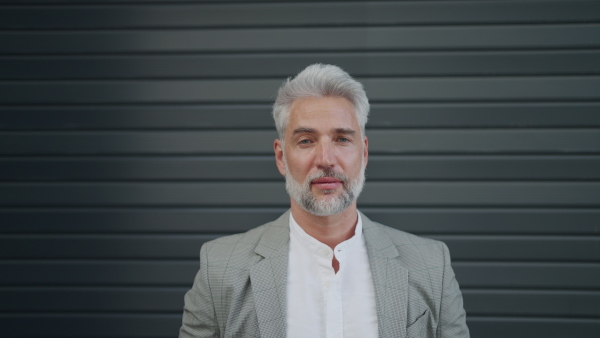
[[298, 169], [352, 158], [295, 164]]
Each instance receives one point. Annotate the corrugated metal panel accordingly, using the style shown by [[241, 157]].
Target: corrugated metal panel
[[299, 14], [256, 116], [303, 40], [431, 220], [455, 141], [469, 89], [185, 246], [278, 65], [569, 304], [133, 131], [199, 168]]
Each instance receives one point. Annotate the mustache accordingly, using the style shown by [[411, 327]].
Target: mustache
[[328, 172]]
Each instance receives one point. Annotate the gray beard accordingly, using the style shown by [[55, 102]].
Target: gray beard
[[326, 206]]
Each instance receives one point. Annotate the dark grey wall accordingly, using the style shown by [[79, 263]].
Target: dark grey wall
[[133, 131]]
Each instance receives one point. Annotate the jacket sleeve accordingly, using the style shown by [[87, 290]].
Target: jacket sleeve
[[452, 318], [199, 315]]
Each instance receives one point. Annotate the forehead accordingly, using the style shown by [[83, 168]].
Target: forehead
[[322, 113]]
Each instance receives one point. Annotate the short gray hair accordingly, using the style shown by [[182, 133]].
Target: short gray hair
[[319, 80]]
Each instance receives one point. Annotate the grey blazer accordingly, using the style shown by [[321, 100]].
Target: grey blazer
[[240, 289]]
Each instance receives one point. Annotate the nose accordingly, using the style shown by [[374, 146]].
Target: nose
[[325, 157]]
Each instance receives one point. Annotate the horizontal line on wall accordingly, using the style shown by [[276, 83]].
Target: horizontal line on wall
[[364, 78], [492, 261], [482, 101], [301, 52], [329, 53], [233, 78], [307, 27], [528, 291], [93, 288], [99, 261], [504, 206], [443, 237], [88, 314], [92, 313], [164, 2], [537, 264], [151, 130], [186, 285], [526, 318]]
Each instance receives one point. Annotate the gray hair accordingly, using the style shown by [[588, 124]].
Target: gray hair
[[319, 80]]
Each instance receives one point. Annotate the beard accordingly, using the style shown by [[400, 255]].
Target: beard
[[326, 205]]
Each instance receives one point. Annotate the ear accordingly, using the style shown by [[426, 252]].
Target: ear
[[278, 148], [366, 150]]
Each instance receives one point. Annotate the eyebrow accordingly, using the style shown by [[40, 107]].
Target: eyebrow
[[345, 131], [303, 130], [337, 130]]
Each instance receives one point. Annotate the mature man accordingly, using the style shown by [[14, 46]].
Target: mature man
[[323, 269]]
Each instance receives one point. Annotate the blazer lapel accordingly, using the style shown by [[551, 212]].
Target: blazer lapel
[[268, 278], [390, 279]]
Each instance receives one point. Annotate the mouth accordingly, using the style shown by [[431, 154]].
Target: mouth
[[326, 183]]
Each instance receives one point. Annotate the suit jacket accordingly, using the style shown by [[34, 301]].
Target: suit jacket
[[240, 289]]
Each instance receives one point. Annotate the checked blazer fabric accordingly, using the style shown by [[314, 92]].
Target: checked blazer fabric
[[240, 289]]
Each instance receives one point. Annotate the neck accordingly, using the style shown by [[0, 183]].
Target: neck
[[330, 230]]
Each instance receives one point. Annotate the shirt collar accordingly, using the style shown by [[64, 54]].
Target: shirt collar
[[321, 249]]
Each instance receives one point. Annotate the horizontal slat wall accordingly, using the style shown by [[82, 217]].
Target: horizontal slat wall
[[131, 132], [295, 14], [260, 167], [184, 246], [303, 40], [139, 299], [430, 220], [385, 64], [573, 88]]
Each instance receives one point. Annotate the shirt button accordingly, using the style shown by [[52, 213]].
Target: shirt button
[[325, 252]]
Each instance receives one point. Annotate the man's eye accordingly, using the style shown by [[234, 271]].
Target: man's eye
[[343, 139], [305, 141]]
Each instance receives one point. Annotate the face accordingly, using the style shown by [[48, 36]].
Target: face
[[324, 155]]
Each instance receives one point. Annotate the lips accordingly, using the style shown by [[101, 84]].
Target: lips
[[326, 183]]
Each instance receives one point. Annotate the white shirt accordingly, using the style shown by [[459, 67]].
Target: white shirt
[[321, 303]]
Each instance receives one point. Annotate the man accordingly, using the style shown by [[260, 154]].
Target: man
[[323, 269]]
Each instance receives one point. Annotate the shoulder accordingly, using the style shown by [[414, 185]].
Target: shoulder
[[244, 244], [413, 250]]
